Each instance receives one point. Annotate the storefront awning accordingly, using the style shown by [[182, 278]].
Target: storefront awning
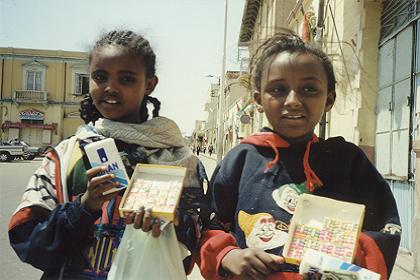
[[9, 124]]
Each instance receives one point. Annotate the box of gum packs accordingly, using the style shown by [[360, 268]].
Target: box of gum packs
[[157, 187], [325, 225]]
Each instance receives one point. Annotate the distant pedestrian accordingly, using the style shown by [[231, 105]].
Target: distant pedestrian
[[198, 150], [210, 149], [204, 149]]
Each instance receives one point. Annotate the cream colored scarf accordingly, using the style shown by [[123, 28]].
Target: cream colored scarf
[[159, 138]]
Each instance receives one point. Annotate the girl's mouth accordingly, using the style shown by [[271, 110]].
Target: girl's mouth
[[111, 101], [293, 117]]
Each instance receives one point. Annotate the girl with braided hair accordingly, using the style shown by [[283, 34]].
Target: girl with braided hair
[[64, 225], [253, 191]]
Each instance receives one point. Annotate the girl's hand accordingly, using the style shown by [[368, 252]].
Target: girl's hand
[[93, 199], [251, 263], [143, 219]]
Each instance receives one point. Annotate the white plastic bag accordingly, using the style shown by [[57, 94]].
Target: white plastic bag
[[142, 256]]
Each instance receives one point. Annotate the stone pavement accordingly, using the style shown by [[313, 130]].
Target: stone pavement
[[404, 267]]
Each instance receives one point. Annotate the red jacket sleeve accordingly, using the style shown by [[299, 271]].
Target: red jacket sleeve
[[214, 246], [377, 252]]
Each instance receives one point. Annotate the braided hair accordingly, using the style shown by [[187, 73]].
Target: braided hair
[[287, 41], [135, 45]]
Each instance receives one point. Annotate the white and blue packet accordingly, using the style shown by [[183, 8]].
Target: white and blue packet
[[317, 265], [104, 152]]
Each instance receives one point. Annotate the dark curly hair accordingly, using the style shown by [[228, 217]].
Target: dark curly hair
[[136, 45], [287, 41]]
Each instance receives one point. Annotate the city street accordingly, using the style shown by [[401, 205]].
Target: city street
[[12, 186], [13, 178]]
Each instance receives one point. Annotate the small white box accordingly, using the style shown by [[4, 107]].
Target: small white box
[[314, 261], [104, 152]]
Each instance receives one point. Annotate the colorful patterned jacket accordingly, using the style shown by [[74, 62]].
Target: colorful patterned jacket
[[53, 232]]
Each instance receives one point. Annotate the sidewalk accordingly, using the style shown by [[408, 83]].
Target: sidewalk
[[213, 156], [404, 267]]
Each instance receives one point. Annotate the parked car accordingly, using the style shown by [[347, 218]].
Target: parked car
[[9, 151], [31, 152]]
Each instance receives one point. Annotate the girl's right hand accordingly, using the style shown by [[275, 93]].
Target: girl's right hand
[[251, 263], [143, 219], [93, 199]]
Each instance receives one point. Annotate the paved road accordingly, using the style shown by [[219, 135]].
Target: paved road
[[13, 178]]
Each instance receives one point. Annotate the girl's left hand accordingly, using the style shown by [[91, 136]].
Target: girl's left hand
[[143, 219]]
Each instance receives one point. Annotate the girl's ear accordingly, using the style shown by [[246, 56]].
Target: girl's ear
[[151, 84], [257, 96], [330, 101]]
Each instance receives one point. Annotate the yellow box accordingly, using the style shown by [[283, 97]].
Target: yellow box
[[325, 225], [158, 187]]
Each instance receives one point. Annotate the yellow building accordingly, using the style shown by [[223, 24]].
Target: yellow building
[[40, 94]]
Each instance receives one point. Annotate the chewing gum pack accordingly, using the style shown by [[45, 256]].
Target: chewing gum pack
[[105, 153]]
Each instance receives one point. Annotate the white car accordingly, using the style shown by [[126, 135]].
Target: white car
[[10, 151]]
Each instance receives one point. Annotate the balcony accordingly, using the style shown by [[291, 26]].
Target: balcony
[[30, 96]]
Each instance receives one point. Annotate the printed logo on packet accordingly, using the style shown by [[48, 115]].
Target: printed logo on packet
[[102, 155]]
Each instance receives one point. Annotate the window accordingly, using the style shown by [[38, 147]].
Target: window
[[33, 80], [33, 76], [81, 84]]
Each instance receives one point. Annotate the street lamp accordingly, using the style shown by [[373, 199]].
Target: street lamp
[[221, 95]]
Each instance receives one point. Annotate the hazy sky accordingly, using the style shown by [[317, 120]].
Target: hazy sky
[[187, 36]]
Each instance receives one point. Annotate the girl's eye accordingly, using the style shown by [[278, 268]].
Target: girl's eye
[[99, 78], [128, 79], [309, 90], [277, 90]]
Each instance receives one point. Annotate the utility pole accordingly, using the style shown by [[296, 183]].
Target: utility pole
[[318, 44], [220, 121]]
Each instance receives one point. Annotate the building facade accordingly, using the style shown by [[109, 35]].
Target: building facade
[[211, 107], [198, 137], [40, 94], [234, 98]]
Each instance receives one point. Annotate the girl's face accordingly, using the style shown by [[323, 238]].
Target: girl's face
[[294, 94], [118, 83]]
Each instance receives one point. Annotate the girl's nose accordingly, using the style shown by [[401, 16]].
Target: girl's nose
[[111, 87], [292, 100]]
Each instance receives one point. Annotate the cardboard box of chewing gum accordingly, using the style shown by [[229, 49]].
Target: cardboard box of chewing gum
[[156, 187], [105, 153], [326, 225]]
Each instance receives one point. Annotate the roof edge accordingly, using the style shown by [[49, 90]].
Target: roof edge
[[249, 18]]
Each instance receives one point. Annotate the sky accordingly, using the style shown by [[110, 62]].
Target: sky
[[186, 35]]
